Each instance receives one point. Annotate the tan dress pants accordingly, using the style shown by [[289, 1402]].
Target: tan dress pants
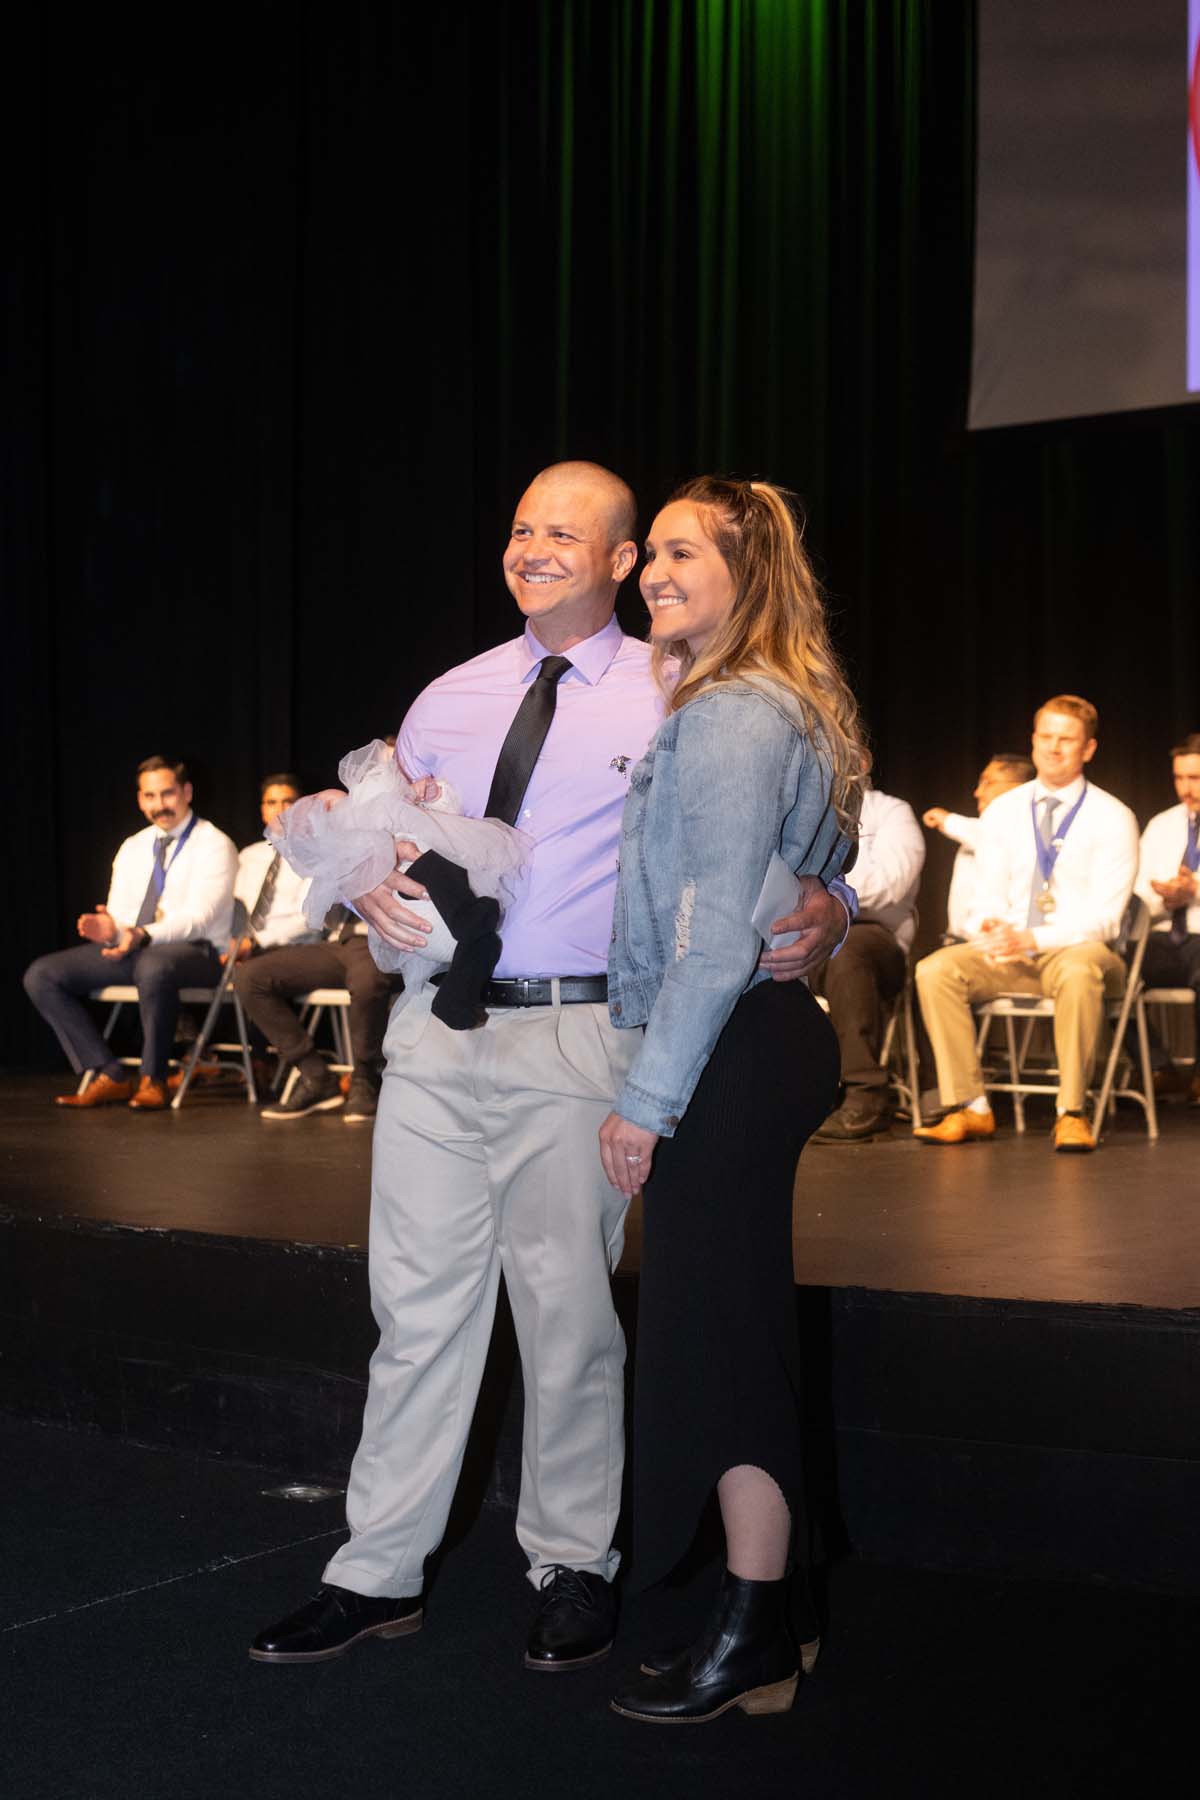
[[486, 1161], [1077, 979]]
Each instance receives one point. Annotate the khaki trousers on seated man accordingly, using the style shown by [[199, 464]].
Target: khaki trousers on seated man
[[1079, 979]]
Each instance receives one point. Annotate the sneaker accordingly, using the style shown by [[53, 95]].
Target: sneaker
[[362, 1098], [307, 1096]]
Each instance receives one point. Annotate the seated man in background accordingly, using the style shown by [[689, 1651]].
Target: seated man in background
[[167, 918], [997, 776], [1054, 871], [1168, 882], [284, 957], [864, 978]]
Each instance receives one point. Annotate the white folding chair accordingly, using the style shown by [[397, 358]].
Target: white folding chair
[[1029, 1008], [119, 995]]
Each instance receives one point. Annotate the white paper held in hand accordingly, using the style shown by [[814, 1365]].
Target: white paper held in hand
[[777, 897]]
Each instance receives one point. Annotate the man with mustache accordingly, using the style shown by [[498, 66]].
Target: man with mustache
[[486, 1158], [167, 917]]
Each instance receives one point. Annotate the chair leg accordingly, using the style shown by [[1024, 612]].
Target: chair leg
[[204, 1033], [911, 1057], [1014, 1073], [244, 1038], [1143, 1037]]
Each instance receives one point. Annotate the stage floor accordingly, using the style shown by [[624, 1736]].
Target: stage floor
[[1007, 1219]]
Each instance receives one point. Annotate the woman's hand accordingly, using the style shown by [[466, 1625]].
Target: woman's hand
[[626, 1151]]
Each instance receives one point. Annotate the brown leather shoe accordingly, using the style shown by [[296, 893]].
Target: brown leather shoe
[[150, 1097], [958, 1127], [101, 1090], [1071, 1134], [203, 1073]]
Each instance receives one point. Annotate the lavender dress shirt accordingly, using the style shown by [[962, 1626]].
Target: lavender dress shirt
[[608, 709]]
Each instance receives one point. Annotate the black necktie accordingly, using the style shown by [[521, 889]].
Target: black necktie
[[523, 745], [266, 893], [156, 883]]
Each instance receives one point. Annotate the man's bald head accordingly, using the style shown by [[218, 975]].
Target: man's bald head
[[614, 495], [571, 548]]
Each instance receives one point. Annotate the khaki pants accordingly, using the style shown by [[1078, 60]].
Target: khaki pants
[[1077, 979], [486, 1162]]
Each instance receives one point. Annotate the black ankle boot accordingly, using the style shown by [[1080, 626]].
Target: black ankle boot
[[745, 1656]]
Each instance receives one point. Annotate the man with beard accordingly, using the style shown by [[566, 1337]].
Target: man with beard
[[167, 917]]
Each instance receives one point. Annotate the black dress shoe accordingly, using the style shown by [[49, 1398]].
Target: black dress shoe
[[332, 1622], [744, 1657], [861, 1115], [575, 1622]]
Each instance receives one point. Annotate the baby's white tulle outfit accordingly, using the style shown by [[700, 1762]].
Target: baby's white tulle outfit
[[346, 843]]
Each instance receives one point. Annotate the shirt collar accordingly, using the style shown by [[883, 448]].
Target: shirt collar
[[176, 830], [1066, 796], [590, 659]]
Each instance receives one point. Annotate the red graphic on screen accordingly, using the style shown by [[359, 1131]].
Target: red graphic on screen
[[1194, 106]]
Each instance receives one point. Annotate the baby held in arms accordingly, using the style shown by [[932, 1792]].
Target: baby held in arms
[[470, 868]]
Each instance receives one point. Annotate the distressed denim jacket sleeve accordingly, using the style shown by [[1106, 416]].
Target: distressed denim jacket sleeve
[[740, 768]]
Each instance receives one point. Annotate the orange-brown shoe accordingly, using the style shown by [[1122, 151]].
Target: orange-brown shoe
[[101, 1090], [150, 1097], [203, 1073], [958, 1127], [1071, 1134]]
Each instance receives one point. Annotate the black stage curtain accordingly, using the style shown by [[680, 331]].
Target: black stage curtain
[[298, 297]]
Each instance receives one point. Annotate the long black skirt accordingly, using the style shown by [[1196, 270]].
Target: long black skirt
[[718, 1378]]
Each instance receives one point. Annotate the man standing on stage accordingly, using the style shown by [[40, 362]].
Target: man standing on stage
[[1056, 862], [1169, 884], [168, 914], [485, 1146]]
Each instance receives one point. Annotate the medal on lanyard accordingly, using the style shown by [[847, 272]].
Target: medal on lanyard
[[180, 841], [1047, 854]]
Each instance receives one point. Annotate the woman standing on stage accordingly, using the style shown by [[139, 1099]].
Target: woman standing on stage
[[761, 752]]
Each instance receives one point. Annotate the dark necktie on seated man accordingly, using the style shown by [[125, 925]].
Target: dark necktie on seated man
[[154, 887], [1191, 860], [340, 924], [261, 910], [1049, 806]]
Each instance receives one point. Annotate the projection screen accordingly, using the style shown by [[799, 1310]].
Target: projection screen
[[1087, 249]]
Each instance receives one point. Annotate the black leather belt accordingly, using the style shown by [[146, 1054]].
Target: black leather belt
[[573, 990]]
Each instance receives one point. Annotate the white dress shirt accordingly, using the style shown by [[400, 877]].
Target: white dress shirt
[[197, 897], [1093, 876], [285, 923], [964, 831], [887, 874], [1163, 844]]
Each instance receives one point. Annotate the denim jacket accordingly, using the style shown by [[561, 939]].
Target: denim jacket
[[729, 779]]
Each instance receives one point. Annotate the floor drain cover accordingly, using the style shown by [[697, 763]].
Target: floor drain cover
[[302, 1490]]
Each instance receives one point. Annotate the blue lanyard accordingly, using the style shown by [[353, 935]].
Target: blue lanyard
[[1047, 854], [159, 872], [1191, 856]]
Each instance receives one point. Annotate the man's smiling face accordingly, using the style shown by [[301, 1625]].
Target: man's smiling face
[[561, 567]]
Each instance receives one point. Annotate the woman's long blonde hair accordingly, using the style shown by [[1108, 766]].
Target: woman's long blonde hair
[[775, 628]]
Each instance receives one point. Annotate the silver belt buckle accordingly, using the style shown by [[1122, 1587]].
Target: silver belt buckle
[[524, 983]]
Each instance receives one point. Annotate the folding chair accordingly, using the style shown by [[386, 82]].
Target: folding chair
[[120, 995], [1029, 1008], [905, 1080]]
